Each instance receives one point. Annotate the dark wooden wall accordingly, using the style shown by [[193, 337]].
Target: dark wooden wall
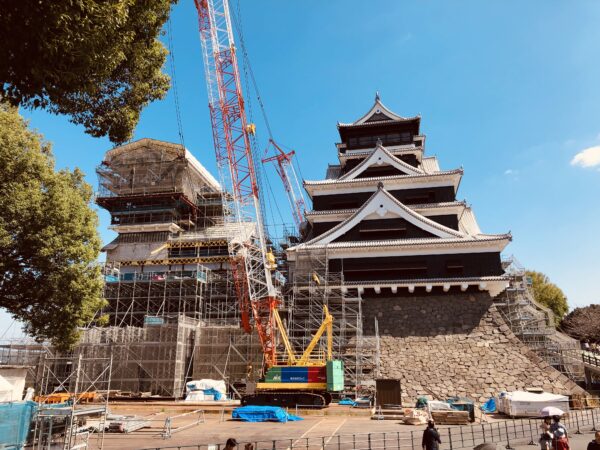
[[406, 196], [425, 266]]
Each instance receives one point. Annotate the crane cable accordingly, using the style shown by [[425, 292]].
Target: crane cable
[[249, 76], [174, 80], [236, 16]]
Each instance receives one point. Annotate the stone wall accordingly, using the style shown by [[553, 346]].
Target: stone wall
[[449, 345]]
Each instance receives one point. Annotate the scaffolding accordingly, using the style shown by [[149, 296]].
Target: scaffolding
[[230, 354], [149, 182], [313, 287], [72, 401], [155, 359], [195, 291], [533, 323]]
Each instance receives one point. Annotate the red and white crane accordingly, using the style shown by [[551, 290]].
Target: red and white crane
[[285, 170], [231, 134]]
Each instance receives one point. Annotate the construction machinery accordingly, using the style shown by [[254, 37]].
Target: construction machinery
[[285, 170], [307, 379], [249, 259]]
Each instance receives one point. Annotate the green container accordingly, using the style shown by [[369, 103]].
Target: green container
[[273, 375], [335, 375]]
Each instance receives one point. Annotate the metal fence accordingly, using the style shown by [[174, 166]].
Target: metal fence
[[506, 432], [593, 359]]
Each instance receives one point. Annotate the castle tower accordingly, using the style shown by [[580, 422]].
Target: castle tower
[[389, 217], [387, 233]]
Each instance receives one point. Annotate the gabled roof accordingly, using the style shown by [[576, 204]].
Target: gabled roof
[[393, 149], [383, 204], [378, 157], [378, 113]]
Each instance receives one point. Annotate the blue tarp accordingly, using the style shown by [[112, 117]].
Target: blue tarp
[[217, 395], [489, 406], [263, 414], [15, 422], [347, 401]]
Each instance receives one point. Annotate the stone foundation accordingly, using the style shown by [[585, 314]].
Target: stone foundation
[[455, 345]]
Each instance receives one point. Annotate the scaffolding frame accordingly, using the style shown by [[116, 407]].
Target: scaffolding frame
[[155, 358], [313, 287], [533, 323], [71, 375]]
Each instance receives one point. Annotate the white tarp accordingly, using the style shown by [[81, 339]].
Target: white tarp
[[12, 383], [435, 405], [529, 404], [6, 390], [206, 389]]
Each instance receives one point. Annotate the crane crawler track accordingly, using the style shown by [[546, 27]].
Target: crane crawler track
[[287, 399]]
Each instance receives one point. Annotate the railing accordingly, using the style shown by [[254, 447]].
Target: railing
[[507, 432], [591, 358], [157, 276], [155, 425], [169, 429]]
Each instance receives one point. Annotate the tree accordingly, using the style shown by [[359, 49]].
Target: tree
[[49, 277], [548, 294], [583, 323], [97, 61]]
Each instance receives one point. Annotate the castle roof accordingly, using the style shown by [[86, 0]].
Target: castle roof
[[378, 157], [377, 115], [383, 205], [441, 178], [176, 150]]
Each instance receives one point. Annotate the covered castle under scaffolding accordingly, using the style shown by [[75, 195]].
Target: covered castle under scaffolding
[[171, 309], [418, 292]]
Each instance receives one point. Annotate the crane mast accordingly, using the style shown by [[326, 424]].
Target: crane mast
[[231, 135]]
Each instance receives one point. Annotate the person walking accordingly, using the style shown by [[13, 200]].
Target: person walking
[[431, 437], [595, 444], [560, 437], [231, 444], [546, 436]]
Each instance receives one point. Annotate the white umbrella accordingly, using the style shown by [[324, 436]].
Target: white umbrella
[[551, 411]]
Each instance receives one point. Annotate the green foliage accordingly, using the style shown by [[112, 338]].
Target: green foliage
[[548, 294], [98, 61], [583, 323], [48, 237]]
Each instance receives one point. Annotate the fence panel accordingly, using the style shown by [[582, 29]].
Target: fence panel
[[507, 432]]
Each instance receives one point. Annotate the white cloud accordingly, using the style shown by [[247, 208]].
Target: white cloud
[[509, 172], [589, 157]]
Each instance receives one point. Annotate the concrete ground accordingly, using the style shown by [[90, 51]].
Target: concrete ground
[[334, 431]]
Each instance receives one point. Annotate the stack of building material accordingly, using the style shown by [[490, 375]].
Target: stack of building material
[[415, 416], [127, 424], [450, 417]]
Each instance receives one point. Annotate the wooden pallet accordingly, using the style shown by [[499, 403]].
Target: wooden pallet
[[450, 417]]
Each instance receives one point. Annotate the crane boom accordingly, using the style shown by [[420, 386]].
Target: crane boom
[[235, 162], [285, 170]]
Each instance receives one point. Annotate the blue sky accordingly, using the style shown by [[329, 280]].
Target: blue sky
[[508, 90]]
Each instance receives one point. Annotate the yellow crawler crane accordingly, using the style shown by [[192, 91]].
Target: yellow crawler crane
[[301, 380]]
